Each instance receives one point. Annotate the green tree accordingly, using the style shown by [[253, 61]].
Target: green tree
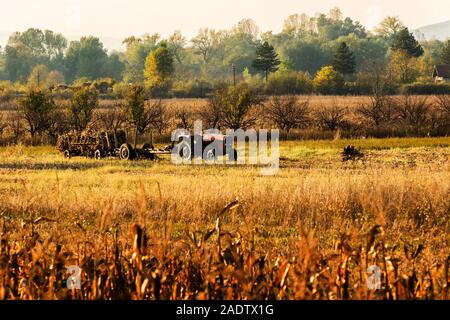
[[25, 50], [136, 53], [296, 24], [37, 108], [389, 27], [141, 115], [176, 44], [445, 54], [135, 109], [403, 67], [235, 105], [306, 55], [331, 27], [328, 81], [114, 67], [404, 40], [81, 108], [85, 58], [206, 43], [159, 66], [18, 62], [38, 76], [266, 59], [344, 60]]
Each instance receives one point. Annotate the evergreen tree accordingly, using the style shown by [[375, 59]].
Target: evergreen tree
[[405, 41], [445, 54], [344, 61], [266, 59]]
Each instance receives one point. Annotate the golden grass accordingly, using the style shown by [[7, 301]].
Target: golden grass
[[309, 232]]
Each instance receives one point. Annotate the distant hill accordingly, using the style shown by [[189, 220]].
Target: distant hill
[[439, 31]]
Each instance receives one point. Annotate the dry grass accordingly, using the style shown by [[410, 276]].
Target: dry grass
[[211, 232]]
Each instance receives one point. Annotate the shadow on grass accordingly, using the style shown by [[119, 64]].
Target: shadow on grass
[[50, 166]]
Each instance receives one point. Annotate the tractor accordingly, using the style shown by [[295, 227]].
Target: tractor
[[212, 146]]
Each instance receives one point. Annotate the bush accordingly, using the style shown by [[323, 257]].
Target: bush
[[83, 81], [414, 113], [291, 82], [104, 85], [120, 89], [81, 107], [287, 112], [328, 81], [357, 88], [331, 117], [37, 108], [191, 89], [426, 88], [7, 90]]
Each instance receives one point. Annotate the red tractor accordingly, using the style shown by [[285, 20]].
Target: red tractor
[[211, 147]]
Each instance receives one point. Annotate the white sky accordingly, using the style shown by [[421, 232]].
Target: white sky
[[121, 18]]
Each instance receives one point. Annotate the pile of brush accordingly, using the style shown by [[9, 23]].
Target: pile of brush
[[351, 153]]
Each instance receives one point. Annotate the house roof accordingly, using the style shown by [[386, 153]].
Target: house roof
[[442, 70]]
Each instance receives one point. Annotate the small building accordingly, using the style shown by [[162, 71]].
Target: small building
[[441, 73]]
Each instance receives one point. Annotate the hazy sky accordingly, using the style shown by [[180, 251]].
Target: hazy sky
[[120, 18]]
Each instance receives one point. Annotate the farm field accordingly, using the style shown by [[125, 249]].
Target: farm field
[[153, 230]]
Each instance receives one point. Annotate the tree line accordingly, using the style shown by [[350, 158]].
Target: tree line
[[38, 118], [327, 54]]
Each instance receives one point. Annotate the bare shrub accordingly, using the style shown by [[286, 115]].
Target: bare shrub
[[443, 102], [440, 115], [331, 118], [184, 116], [414, 112], [111, 119], [287, 112], [156, 113], [211, 113], [3, 123], [15, 125], [379, 110], [58, 123]]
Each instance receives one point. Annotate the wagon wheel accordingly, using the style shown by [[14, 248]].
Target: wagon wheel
[[67, 154], [97, 154], [126, 152]]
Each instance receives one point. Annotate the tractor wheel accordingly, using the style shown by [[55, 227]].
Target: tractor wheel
[[97, 154], [67, 154], [126, 152], [184, 151]]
